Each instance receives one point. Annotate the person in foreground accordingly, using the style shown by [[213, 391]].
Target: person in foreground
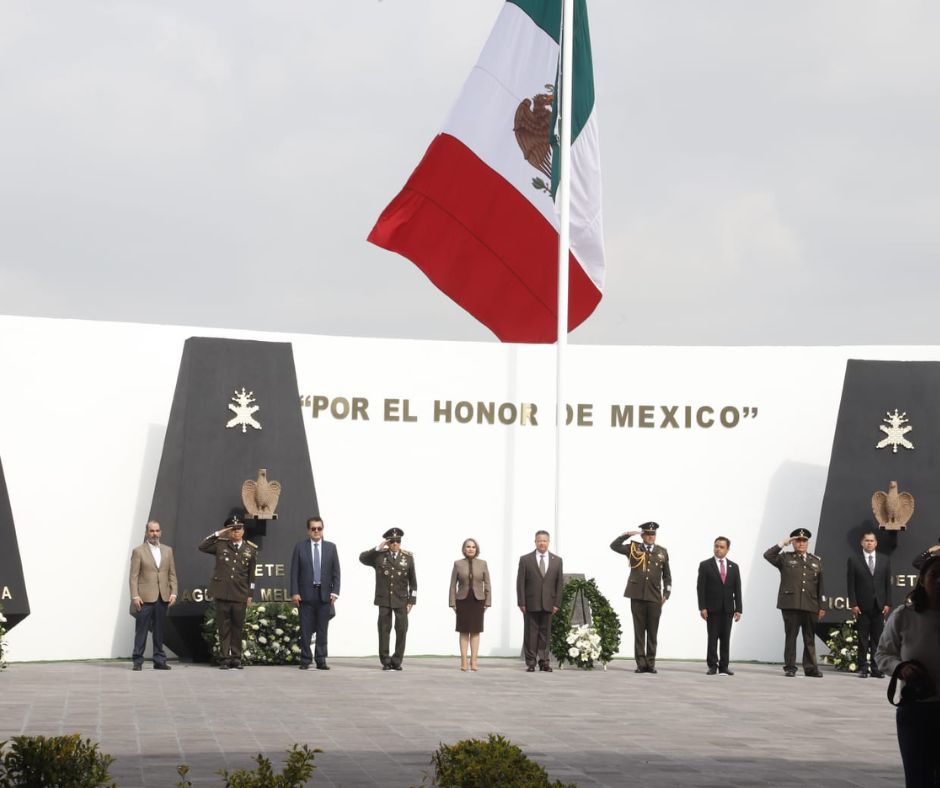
[[469, 598], [396, 592], [719, 603], [153, 592], [314, 589], [539, 585], [910, 649], [232, 586], [799, 599]]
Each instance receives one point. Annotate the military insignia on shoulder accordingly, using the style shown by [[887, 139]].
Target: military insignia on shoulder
[[252, 544], [406, 552]]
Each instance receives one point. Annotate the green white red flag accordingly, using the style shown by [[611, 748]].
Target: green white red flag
[[478, 213]]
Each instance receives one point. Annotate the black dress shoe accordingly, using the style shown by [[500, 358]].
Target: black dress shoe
[[323, 666], [789, 673], [386, 667], [711, 671], [237, 666], [640, 670], [726, 672], [545, 668], [530, 668], [161, 666], [396, 667], [223, 666], [877, 674], [812, 674], [651, 670], [305, 666], [137, 667], [863, 674]]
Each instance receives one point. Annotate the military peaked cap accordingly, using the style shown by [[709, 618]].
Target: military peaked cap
[[393, 534], [649, 528], [801, 533]]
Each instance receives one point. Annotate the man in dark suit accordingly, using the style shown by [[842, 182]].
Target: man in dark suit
[[868, 579], [396, 592], [232, 586], [314, 588], [153, 592], [539, 585], [799, 599], [648, 588], [719, 602]]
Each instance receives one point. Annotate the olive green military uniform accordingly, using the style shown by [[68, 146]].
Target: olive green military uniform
[[231, 585], [649, 584], [799, 599], [396, 587]]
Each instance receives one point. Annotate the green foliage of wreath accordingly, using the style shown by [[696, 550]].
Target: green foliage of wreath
[[843, 647], [605, 623], [271, 636]]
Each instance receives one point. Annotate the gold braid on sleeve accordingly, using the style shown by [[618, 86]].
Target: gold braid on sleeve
[[637, 556]]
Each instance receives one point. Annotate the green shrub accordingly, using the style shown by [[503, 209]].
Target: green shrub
[[475, 763], [61, 761], [296, 773]]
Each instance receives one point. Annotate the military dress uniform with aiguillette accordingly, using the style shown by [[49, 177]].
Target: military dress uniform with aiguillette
[[396, 587], [799, 600], [231, 585], [649, 584]]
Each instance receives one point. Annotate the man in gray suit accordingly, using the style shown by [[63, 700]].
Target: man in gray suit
[[868, 579], [314, 588], [153, 590], [539, 585]]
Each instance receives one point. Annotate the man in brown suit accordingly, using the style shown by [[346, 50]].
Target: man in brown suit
[[232, 586], [539, 585], [153, 590]]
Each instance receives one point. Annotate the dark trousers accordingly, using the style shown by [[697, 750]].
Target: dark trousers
[[718, 625], [152, 613], [314, 619], [918, 724], [385, 632], [793, 622], [870, 624], [538, 634], [645, 628], [230, 619]]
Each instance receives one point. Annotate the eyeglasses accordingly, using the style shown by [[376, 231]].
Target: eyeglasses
[[315, 528]]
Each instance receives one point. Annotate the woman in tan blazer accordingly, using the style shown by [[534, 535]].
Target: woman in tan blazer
[[469, 597]]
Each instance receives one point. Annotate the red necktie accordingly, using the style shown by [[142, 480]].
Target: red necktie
[[721, 570]]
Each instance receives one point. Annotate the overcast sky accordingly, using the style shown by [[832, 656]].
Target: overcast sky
[[771, 169]]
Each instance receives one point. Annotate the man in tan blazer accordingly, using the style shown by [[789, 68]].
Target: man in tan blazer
[[153, 590], [539, 585]]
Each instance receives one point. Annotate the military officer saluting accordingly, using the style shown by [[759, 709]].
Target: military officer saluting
[[648, 588], [232, 586], [799, 598], [396, 589]]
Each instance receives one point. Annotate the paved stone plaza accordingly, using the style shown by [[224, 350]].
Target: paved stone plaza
[[678, 728]]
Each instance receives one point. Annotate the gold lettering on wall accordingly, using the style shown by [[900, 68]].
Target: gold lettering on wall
[[6, 593]]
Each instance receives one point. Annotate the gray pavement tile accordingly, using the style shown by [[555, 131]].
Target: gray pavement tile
[[379, 730]]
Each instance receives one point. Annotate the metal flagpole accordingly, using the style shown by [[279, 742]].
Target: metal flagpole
[[563, 198]]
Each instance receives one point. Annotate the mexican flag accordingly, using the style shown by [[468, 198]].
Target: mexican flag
[[478, 213]]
